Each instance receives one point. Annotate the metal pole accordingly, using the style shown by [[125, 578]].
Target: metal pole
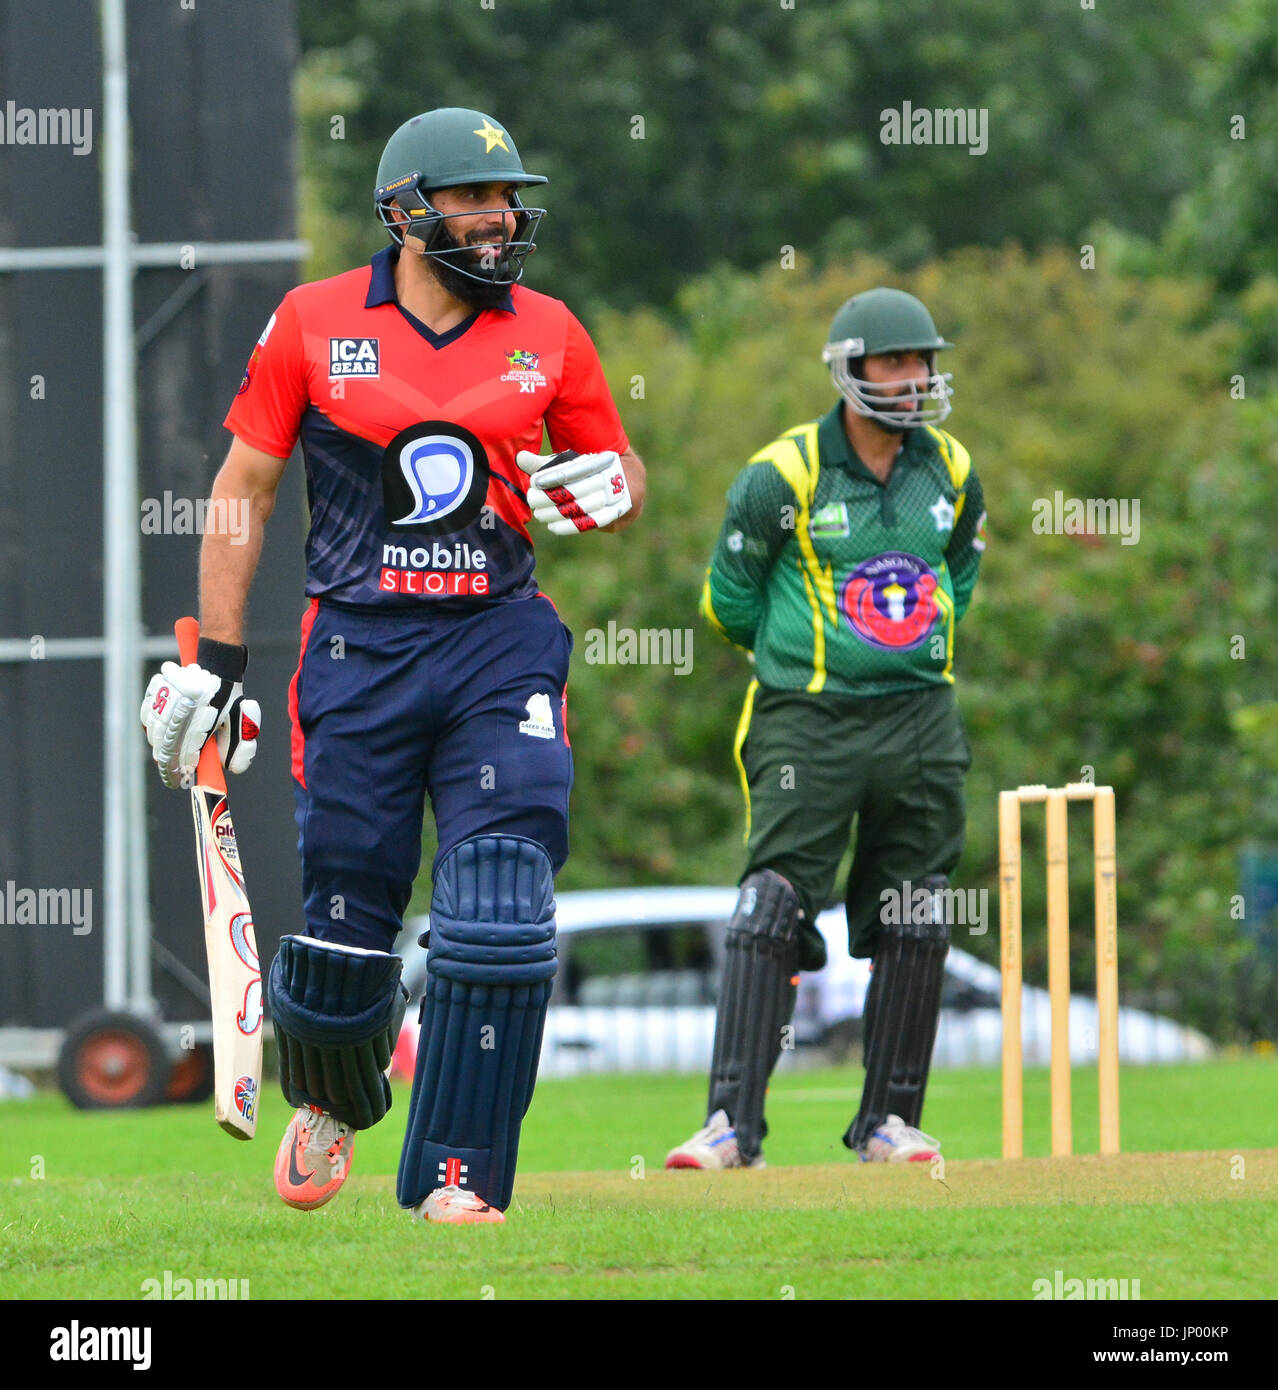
[[125, 911], [171, 255], [126, 929]]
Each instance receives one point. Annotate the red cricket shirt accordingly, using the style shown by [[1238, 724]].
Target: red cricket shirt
[[410, 436]]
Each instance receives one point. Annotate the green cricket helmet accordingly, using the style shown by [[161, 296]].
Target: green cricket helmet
[[442, 149], [880, 321]]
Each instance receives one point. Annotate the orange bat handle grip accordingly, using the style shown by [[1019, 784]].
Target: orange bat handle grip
[[208, 772]]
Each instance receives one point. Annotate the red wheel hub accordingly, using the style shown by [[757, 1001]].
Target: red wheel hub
[[112, 1066]]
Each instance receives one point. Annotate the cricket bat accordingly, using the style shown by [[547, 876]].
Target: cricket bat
[[235, 976]]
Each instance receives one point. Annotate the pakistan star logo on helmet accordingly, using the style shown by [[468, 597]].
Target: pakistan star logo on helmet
[[448, 148]]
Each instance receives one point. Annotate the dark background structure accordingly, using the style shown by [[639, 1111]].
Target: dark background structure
[[212, 156]]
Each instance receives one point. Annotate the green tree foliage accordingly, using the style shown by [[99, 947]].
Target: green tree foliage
[[1149, 379], [1221, 226], [761, 125], [1138, 662], [1225, 227]]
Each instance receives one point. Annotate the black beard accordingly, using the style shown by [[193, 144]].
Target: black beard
[[479, 294], [887, 428]]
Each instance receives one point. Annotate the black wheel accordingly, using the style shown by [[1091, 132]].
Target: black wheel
[[191, 1080], [110, 1060]]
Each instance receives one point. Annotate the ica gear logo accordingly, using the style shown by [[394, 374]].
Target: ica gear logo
[[434, 477], [889, 601], [353, 357]]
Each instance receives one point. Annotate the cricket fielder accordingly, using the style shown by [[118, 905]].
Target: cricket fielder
[[431, 663], [848, 555]]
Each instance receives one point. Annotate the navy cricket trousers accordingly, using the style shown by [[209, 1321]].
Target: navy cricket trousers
[[389, 708]]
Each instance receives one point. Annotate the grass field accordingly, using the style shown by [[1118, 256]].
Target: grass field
[[92, 1205]]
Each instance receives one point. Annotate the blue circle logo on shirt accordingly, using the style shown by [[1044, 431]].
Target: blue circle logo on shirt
[[434, 478], [439, 470]]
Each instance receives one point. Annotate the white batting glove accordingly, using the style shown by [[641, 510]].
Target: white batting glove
[[183, 705], [574, 492], [237, 731]]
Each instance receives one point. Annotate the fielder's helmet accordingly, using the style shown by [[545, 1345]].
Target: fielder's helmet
[[442, 149], [879, 321]]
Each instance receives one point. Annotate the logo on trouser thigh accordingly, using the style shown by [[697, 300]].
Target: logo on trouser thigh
[[452, 1172], [540, 722]]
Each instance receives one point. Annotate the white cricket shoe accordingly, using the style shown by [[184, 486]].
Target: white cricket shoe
[[896, 1142], [715, 1146], [456, 1205]]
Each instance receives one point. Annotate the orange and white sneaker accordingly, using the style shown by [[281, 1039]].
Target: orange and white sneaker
[[314, 1158], [457, 1205]]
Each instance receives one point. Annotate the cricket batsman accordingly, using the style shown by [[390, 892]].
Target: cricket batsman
[[431, 663], [848, 555]]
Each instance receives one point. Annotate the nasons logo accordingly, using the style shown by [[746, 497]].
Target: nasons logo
[[434, 478], [889, 601]]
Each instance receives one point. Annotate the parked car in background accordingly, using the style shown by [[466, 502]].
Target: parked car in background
[[639, 972]]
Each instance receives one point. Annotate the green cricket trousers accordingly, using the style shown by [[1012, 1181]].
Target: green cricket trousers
[[812, 763]]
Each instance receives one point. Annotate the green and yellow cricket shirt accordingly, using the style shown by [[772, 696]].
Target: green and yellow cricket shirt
[[837, 581]]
